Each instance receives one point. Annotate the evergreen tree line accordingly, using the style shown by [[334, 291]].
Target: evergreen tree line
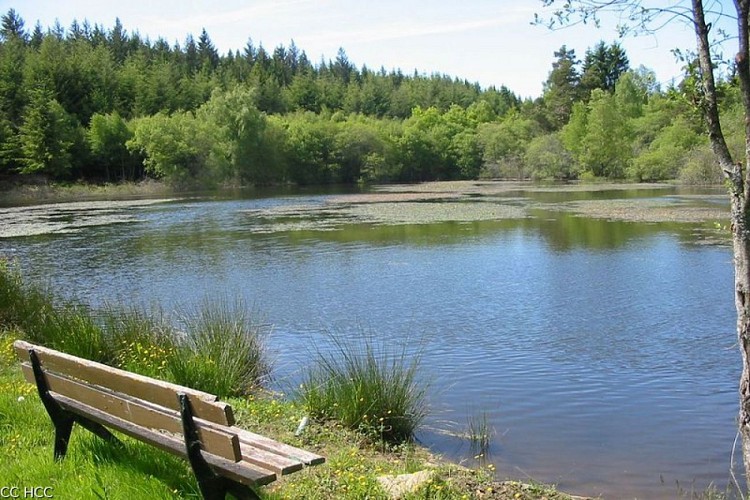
[[87, 103]]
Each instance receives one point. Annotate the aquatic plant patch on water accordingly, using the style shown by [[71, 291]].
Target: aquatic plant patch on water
[[428, 212], [488, 188], [672, 209], [333, 216], [475, 201], [394, 197], [67, 217]]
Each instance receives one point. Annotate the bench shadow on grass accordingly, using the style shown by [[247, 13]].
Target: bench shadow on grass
[[141, 459]]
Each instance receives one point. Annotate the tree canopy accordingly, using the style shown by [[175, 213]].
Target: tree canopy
[[104, 104]]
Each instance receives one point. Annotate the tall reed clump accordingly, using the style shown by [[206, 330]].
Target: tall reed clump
[[367, 387], [64, 325], [17, 301], [143, 340], [221, 351], [479, 433]]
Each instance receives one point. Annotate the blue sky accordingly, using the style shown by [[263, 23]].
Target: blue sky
[[488, 41]]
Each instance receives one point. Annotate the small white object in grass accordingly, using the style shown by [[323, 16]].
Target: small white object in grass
[[21, 399], [301, 426]]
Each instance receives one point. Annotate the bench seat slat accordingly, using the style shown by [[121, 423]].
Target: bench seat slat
[[279, 464], [204, 405], [214, 440], [256, 440], [241, 472]]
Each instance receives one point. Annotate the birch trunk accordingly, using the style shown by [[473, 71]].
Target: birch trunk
[[738, 182]]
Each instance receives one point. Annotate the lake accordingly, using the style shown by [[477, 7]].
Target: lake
[[594, 326]]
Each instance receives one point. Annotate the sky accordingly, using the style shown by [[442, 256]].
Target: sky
[[491, 42]]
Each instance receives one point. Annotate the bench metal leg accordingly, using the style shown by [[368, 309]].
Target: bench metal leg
[[63, 420], [97, 429], [212, 485]]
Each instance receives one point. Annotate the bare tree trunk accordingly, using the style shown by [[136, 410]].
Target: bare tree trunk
[[738, 191]]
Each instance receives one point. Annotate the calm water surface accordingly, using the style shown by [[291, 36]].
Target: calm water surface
[[601, 352]]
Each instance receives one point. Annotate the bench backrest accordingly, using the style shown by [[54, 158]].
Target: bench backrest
[[137, 405]]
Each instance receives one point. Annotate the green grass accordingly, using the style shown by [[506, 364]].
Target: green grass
[[367, 387], [20, 194], [143, 342]]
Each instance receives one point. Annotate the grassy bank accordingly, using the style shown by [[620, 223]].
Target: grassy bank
[[43, 192], [148, 343]]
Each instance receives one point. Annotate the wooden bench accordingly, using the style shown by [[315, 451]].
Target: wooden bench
[[183, 421]]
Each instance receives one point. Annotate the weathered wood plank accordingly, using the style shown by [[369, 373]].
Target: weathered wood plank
[[161, 393], [219, 441], [279, 464], [241, 472], [257, 441]]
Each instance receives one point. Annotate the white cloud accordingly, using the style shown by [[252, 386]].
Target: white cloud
[[403, 30], [265, 10]]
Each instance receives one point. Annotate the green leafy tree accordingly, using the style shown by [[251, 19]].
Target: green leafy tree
[[118, 42], [10, 147], [207, 53], [573, 133], [13, 97], [239, 129], [311, 146], [466, 151], [504, 145], [342, 68], [107, 137], [12, 27], [175, 147], [375, 95], [302, 94], [667, 154], [192, 58], [605, 149], [630, 95], [658, 112], [546, 158], [425, 146], [36, 36]]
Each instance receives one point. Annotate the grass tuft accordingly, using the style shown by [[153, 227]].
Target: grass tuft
[[222, 351], [480, 434], [369, 388]]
